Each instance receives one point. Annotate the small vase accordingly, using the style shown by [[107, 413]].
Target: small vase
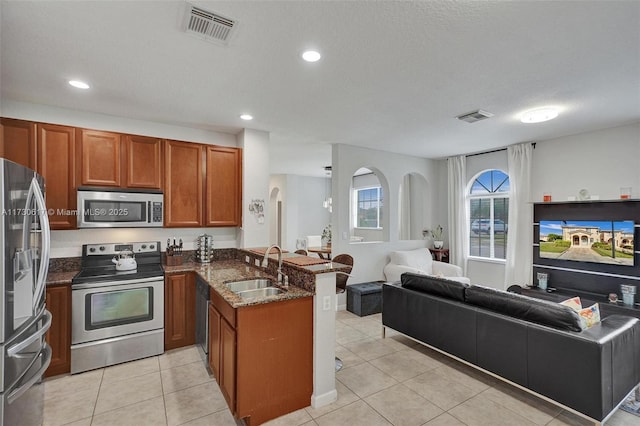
[[437, 244]]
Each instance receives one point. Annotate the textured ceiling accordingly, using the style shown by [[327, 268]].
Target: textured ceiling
[[394, 75]]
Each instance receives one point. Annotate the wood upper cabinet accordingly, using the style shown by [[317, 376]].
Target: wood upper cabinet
[[179, 310], [100, 154], [18, 142], [183, 184], [56, 153], [143, 162], [223, 192], [59, 335]]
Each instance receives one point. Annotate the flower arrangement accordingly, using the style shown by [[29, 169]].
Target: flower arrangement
[[436, 233], [326, 233]]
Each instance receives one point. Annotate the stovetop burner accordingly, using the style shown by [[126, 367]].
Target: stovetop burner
[[110, 274], [97, 265]]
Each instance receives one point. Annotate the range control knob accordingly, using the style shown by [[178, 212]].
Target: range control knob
[[152, 247], [102, 248], [92, 249], [144, 246]]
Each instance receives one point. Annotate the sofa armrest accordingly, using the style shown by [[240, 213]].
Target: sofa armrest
[[446, 269]]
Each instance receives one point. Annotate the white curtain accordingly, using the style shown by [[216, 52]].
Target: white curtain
[[519, 263], [458, 232]]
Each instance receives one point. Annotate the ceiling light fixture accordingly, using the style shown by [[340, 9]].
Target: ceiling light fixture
[[539, 115], [246, 117], [311, 56], [79, 84]]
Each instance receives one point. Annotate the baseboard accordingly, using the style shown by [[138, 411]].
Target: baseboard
[[318, 401]]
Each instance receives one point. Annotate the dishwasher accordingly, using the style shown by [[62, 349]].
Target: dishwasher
[[203, 293]]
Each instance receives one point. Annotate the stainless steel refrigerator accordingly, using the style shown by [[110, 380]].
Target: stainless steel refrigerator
[[24, 261]]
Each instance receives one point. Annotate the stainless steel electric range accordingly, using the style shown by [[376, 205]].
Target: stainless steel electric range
[[117, 316]]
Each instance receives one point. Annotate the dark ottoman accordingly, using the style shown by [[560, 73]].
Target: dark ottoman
[[365, 299]]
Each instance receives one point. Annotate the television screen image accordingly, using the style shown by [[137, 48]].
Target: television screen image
[[598, 241]]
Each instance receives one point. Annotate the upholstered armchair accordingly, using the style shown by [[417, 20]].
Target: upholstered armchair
[[419, 261]]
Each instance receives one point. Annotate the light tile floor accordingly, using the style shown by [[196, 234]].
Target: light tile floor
[[392, 381]]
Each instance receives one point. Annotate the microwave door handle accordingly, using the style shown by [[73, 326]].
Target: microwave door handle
[[45, 240], [148, 211], [46, 354]]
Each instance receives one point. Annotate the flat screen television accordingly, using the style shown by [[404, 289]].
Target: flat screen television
[[597, 241]]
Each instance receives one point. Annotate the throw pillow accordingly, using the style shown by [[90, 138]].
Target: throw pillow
[[575, 303], [589, 316], [419, 259]]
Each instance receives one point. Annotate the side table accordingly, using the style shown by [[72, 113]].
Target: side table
[[441, 255]]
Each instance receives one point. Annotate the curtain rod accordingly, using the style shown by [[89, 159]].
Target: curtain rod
[[495, 150]]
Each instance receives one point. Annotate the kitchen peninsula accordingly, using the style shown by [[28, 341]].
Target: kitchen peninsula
[[271, 355]]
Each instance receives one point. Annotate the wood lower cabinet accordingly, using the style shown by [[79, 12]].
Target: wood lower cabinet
[[56, 152], [179, 310], [262, 356], [143, 162], [18, 142], [100, 158], [183, 184], [223, 190], [58, 301]]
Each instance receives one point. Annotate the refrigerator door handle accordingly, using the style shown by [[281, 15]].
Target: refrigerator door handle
[[46, 355], [46, 241], [18, 347]]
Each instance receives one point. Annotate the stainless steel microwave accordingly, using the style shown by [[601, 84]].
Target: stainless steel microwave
[[107, 208]]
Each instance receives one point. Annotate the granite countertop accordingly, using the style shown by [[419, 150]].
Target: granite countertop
[[54, 278], [218, 273]]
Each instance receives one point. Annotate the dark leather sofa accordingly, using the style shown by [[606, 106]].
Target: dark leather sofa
[[533, 343]]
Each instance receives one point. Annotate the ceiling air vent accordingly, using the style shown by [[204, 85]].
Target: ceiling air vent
[[208, 25], [474, 116]]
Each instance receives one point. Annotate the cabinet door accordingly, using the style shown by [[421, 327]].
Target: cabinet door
[[56, 152], [224, 186], [59, 335], [179, 310], [143, 162], [227, 379], [214, 341], [100, 156], [183, 184], [18, 142]]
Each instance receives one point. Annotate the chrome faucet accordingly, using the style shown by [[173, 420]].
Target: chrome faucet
[[265, 263]]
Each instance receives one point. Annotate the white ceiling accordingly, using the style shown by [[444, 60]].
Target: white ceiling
[[394, 75]]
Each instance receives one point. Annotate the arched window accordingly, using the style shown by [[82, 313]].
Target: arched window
[[489, 215]]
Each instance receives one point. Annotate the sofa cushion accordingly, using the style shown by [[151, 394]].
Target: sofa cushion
[[433, 285], [419, 258], [526, 308]]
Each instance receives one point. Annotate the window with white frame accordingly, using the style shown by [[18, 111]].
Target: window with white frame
[[369, 203], [489, 215]]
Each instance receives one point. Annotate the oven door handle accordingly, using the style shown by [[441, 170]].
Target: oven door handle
[[82, 286], [18, 347]]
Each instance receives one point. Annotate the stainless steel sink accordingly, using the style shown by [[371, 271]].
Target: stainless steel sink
[[244, 285], [260, 292]]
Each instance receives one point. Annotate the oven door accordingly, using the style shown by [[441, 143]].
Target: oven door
[[112, 309]]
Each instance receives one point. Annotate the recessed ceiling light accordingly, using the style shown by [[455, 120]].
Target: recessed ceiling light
[[311, 56], [246, 117], [79, 84], [539, 115]]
